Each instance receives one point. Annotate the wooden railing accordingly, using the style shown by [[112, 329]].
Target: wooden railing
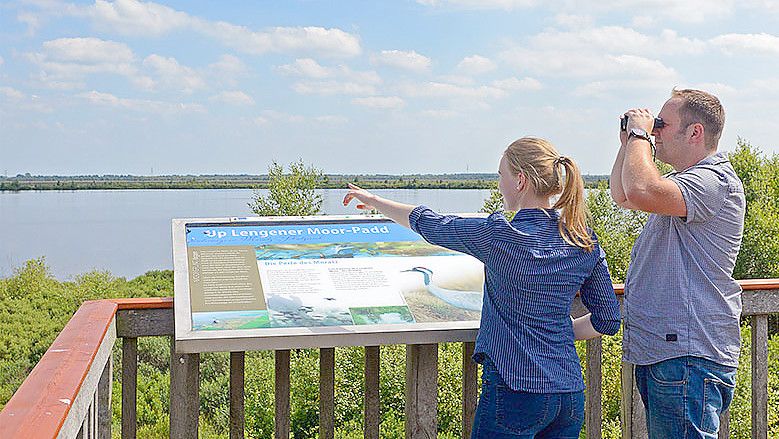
[[68, 393]]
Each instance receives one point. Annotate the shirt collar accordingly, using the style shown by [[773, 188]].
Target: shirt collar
[[714, 159], [535, 212]]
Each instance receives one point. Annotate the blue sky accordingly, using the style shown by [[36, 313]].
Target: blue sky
[[427, 86]]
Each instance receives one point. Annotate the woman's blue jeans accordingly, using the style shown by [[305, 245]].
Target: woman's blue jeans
[[684, 396], [505, 413]]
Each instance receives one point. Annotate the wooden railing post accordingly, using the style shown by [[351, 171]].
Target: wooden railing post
[[237, 416], [760, 376], [105, 413], [724, 425], [129, 386], [470, 388], [184, 393], [326, 393], [372, 403], [421, 391], [631, 408], [593, 407], [281, 420]]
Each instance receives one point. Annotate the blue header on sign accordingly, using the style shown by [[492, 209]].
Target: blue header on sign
[[363, 231]]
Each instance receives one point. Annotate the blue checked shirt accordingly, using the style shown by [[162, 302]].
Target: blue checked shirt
[[531, 279], [680, 295]]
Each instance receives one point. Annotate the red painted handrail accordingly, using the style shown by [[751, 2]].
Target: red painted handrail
[[41, 404]]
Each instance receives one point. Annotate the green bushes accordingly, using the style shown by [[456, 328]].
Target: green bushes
[[41, 305]]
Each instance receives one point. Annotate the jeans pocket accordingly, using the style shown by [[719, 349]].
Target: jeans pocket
[[717, 396], [672, 372], [521, 412]]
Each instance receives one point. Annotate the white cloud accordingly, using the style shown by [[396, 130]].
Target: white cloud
[[382, 102], [404, 60], [444, 90], [644, 21], [305, 67], [1, 60], [65, 61], [147, 106], [312, 40], [440, 114], [480, 4], [739, 43], [31, 20], [476, 65], [235, 97], [614, 40], [309, 68], [11, 93], [228, 65], [173, 74], [602, 56], [133, 17], [273, 115], [87, 51], [515, 84], [136, 17], [688, 11], [574, 21], [329, 88]]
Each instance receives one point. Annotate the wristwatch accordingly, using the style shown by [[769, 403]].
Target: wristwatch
[[643, 135], [640, 133]]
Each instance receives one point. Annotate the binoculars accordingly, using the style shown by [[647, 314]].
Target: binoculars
[[623, 123]]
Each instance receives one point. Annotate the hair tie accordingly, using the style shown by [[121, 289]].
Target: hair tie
[[560, 159]]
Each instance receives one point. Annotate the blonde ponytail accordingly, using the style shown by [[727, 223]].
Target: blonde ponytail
[[573, 224], [552, 174]]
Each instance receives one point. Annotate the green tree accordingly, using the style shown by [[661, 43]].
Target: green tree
[[495, 203], [759, 255], [292, 194], [616, 228]]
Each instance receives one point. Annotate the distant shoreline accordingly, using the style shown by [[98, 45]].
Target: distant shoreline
[[329, 181]]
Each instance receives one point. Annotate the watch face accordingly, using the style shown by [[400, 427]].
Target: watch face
[[638, 132]]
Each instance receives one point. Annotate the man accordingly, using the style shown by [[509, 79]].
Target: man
[[682, 305]]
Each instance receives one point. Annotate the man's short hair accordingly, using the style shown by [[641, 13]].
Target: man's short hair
[[704, 108]]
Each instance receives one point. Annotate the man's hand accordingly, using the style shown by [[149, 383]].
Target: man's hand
[[640, 118]]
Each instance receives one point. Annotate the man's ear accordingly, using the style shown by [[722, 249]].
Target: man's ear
[[696, 133]]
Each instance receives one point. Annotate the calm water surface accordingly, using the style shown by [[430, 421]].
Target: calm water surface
[[128, 232]]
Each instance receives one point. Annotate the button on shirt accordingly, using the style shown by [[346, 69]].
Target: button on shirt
[[531, 278], [680, 295]]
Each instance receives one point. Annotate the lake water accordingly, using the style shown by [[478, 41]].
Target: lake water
[[128, 232]]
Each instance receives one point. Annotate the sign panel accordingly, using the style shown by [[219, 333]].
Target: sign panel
[[289, 282]]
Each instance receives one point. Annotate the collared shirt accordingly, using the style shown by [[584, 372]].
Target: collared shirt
[[531, 278], [680, 295]]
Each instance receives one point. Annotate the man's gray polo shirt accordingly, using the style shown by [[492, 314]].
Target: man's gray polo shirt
[[680, 295]]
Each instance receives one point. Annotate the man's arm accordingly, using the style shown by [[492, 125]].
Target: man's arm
[[616, 187], [644, 188]]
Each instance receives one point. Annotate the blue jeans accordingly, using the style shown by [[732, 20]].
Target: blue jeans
[[505, 413], [684, 396]]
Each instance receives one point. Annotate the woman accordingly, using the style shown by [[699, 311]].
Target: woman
[[532, 384]]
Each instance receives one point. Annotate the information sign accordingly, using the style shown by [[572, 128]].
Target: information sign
[[293, 282]]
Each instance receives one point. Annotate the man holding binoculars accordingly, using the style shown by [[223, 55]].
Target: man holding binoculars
[[681, 305]]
